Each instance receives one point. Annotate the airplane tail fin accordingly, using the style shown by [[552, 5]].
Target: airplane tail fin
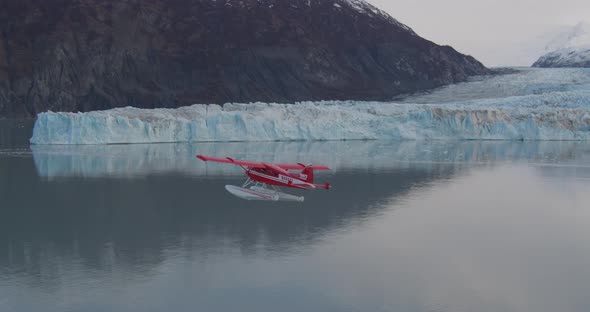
[[308, 174]]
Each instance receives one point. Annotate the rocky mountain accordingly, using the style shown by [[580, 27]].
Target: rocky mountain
[[571, 48], [81, 55], [568, 57]]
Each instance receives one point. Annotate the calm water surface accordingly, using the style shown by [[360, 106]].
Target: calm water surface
[[413, 226]]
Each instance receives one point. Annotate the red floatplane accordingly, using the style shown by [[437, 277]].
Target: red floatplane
[[264, 179]]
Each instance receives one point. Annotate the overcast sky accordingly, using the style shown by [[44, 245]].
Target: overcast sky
[[496, 32]]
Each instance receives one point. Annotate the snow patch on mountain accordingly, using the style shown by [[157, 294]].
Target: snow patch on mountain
[[571, 48], [569, 57], [365, 7]]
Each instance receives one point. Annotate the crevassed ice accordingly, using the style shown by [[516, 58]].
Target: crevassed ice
[[524, 81], [550, 116]]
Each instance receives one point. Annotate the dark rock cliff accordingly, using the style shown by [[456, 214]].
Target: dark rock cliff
[[80, 55]]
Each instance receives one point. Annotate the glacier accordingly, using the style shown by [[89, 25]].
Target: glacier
[[534, 111]]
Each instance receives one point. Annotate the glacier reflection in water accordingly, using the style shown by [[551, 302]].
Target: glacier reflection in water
[[144, 159]]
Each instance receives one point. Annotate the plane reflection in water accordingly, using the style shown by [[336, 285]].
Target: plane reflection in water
[[409, 226]]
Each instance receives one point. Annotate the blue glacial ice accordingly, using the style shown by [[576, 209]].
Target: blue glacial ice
[[541, 108]]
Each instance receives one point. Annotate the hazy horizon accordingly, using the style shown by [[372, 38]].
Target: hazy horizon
[[497, 33]]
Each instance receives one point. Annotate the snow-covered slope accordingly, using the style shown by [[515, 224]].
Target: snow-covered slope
[[568, 57], [364, 7], [571, 48], [536, 110]]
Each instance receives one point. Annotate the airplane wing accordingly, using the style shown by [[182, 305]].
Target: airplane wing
[[232, 161], [251, 164]]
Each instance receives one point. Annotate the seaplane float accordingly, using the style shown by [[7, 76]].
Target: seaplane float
[[264, 179]]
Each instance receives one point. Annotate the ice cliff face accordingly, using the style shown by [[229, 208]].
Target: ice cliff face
[[560, 116]]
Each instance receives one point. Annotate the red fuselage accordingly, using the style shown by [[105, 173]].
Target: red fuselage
[[276, 174], [286, 179]]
